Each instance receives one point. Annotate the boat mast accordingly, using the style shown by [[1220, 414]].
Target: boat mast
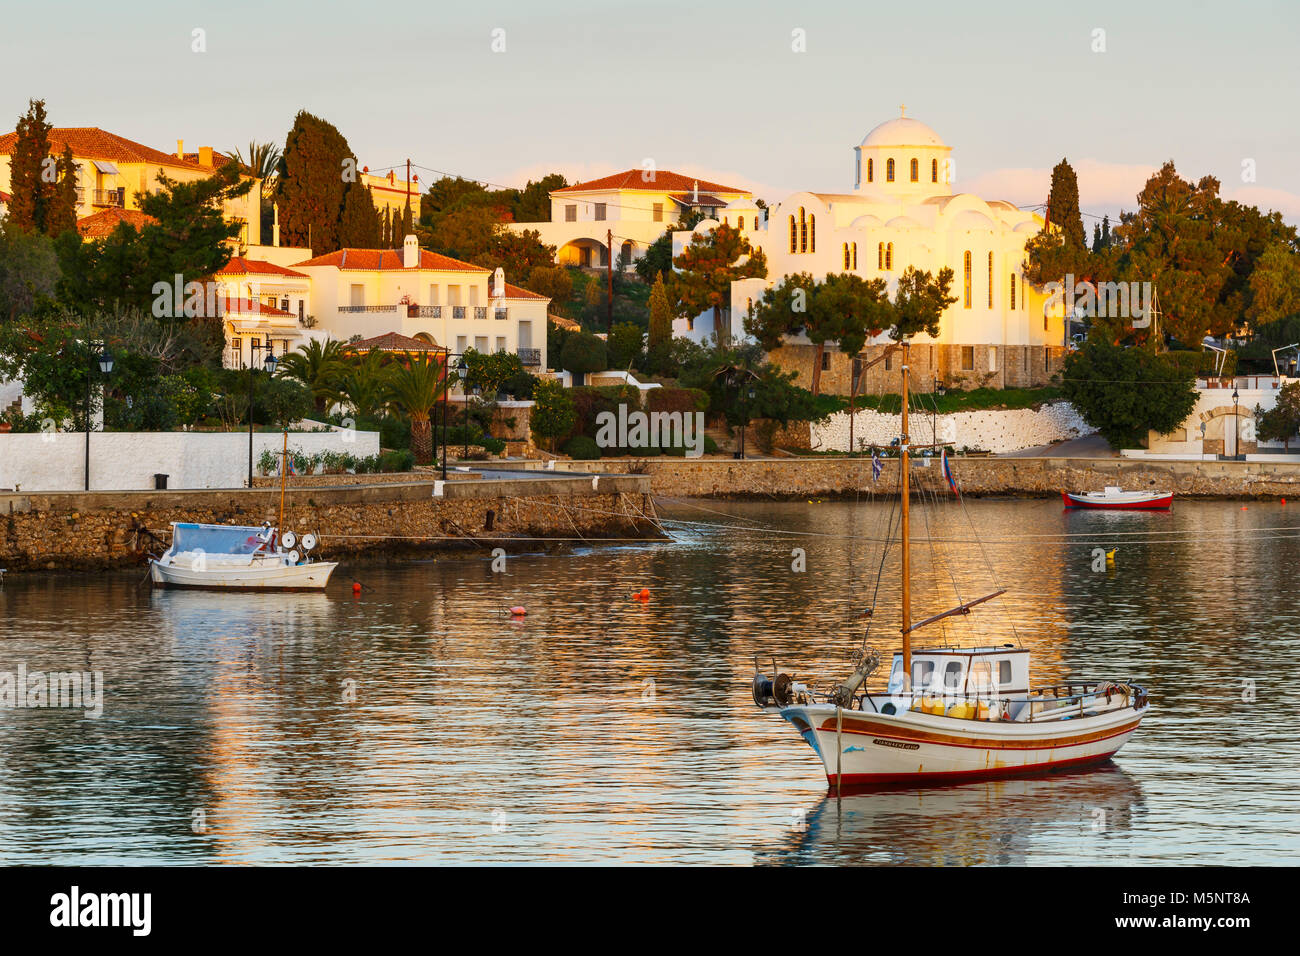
[[904, 469]]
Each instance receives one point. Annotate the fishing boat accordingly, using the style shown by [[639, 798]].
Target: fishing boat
[[948, 713], [1114, 497], [239, 557]]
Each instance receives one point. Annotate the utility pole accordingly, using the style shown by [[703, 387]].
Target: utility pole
[[609, 280]]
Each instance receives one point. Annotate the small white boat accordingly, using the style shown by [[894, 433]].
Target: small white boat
[[239, 557], [1115, 497]]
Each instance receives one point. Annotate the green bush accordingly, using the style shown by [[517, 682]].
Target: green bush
[[397, 460], [582, 448]]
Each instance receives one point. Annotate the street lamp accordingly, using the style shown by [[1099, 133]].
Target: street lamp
[[105, 362], [1236, 425], [744, 423], [269, 362], [477, 391]]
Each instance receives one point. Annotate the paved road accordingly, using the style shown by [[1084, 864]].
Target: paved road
[[1089, 446]]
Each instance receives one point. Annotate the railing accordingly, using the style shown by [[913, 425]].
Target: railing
[[81, 194], [367, 308], [458, 312], [424, 312], [480, 312], [531, 358], [106, 197], [502, 314]]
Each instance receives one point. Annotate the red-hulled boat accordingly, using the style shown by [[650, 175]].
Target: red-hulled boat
[[1114, 497]]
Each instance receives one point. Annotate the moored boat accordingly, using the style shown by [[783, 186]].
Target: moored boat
[[948, 713], [238, 557], [1115, 497]]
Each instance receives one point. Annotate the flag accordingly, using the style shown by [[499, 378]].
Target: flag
[[877, 466], [947, 472], [288, 465]]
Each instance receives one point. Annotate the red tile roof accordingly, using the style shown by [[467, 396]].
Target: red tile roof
[[5, 197], [664, 181], [392, 342], [241, 266], [373, 260], [247, 306], [91, 142], [515, 292], [102, 223]]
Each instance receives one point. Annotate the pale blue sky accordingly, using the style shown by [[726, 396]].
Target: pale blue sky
[[711, 90]]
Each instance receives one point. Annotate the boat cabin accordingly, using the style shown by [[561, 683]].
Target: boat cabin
[[959, 671]]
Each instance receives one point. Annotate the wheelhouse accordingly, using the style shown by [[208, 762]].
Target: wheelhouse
[[962, 671]]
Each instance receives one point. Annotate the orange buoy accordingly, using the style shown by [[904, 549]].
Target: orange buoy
[[518, 611], [356, 587], [1283, 501], [642, 595]]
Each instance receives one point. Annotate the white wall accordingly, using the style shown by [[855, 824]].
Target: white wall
[[55, 461], [1000, 430]]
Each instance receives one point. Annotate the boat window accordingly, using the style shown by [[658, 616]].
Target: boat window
[[981, 676], [922, 673], [952, 675], [1004, 673]]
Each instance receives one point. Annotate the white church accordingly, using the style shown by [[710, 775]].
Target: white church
[[903, 212]]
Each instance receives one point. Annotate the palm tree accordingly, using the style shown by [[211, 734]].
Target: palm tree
[[318, 365], [261, 159], [416, 386], [365, 382]]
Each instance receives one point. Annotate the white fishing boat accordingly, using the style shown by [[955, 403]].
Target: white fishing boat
[[947, 713], [1114, 497], [239, 557]]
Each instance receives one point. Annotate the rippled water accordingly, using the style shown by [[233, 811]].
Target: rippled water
[[600, 729]]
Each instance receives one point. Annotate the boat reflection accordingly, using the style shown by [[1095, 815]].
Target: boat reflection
[[990, 823]]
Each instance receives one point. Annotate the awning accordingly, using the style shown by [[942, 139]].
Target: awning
[[104, 166]]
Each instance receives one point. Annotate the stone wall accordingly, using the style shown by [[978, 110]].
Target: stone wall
[[102, 530], [995, 430]]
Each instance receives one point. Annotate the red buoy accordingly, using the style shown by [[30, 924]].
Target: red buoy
[[518, 611], [356, 587]]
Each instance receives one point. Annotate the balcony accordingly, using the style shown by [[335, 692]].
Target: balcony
[[531, 358], [480, 312], [502, 314], [108, 197], [458, 312], [424, 312], [367, 308]]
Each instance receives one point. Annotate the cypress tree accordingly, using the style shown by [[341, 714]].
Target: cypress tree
[[359, 224], [661, 313], [61, 216], [1063, 205], [32, 193], [313, 182]]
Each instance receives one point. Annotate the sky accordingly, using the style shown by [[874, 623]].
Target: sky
[[504, 91]]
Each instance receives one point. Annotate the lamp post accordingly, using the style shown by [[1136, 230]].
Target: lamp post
[[270, 364], [744, 424], [1236, 424], [934, 418], [462, 373], [105, 362]]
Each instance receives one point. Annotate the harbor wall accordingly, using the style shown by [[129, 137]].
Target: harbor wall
[[97, 530], [793, 478]]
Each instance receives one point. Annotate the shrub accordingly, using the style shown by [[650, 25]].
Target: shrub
[[397, 460], [582, 448], [584, 352], [677, 400]]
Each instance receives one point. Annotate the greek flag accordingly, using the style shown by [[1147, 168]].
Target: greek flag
[[877, 466], [947, 472]]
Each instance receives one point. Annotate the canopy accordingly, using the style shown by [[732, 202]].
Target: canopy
[[218, 538]]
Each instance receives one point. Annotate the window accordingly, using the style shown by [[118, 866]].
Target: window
[[880, 256], [993, 358], [934, 170], [952, 675], [740, 222], [1022, 293], [812, 233], [300, 308], [1044, 323], [889, 257], [916, 170], [284, 305], [846, 257], [855, 257], [570, 213], [965, 259], [461, 344], [871, 169], [889, 170], [1013, 291], [357, 295], [237, 346], [826, 361], [480, 343], [600, 212], [433, 293], [803, 231], [473, 295], [501, 343], [922, 673], [990, 280], [1004, 673], [793, 236], [968, 358], [981, 677], [889, 363], [659, 212]]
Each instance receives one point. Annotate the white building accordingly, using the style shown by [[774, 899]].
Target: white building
[[635, 206], [902, 212]]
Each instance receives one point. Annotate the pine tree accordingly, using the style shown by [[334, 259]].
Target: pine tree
[[61, 216], [1105, 232], [315, 171], [1096, 237], [1063, 205], [359, 224], [661, 313], [32, 192]]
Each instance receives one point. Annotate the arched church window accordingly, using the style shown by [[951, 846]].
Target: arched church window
[[880, 256], [934, 170], [1023, 304], [803, 231], [846, 257], [740, 222], [889, 170], [812, 233], [916, 170], [855, 257], [966, 280], [793, 235], [990, 280], [871, 169], [1013, 290], [889, 257]]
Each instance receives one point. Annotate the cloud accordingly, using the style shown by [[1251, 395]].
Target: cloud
[[1102, 186], [1266, 198]]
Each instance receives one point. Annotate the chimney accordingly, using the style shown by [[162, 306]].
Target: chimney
[[696, 197], [410, 253], [498, 283], [180, 149], [205, 156]]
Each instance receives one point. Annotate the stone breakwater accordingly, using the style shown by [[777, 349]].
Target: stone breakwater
[[995, 430], [99, 530], [794, 478]]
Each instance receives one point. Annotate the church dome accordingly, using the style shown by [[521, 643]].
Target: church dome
[[903, 131]]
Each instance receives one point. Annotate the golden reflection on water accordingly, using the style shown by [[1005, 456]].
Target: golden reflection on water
[[418, 723]]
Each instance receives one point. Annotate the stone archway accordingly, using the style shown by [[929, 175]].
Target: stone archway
[[1219, 437], [584, 252]]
